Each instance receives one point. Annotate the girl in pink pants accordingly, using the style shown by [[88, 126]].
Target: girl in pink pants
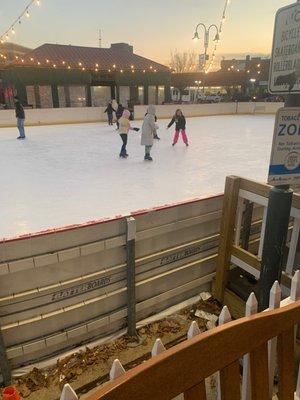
[[180, 124]]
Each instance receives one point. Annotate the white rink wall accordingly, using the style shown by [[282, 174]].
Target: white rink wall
[[52, 116], [49, 116]]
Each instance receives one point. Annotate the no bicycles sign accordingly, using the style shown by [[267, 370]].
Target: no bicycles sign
[[285, 61], [285, 156]]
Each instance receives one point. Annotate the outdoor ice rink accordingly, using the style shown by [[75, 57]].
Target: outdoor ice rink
[[70, 174]]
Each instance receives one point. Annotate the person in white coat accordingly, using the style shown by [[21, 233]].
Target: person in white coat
[[148, 131]]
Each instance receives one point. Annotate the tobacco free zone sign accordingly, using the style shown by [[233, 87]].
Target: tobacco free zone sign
[[285, 156]]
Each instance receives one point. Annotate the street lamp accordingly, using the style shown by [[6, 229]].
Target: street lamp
[[198, 83], [206, 37]]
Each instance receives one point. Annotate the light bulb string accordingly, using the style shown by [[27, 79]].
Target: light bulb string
[[18, 19], [223, 17]]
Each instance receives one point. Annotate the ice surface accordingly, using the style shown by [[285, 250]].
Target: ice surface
[[69, 174]]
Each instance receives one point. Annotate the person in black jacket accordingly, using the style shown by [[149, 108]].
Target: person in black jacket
[[109, 110], [180, 124], [119, 114], [20, 115]]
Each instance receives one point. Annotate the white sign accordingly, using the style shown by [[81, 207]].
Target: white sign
[[285, 156], [285, 61]]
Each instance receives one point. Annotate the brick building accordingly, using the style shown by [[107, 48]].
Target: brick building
[[56, 75], [255, 68]]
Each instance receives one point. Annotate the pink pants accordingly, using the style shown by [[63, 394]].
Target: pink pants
[[183, 134]]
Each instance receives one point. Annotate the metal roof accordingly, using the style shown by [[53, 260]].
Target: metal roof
[[118, 56]]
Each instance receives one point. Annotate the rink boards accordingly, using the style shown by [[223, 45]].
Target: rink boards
[[52, 116], [66, 287]]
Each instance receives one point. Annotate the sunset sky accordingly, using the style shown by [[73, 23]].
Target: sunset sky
[[153, 27]]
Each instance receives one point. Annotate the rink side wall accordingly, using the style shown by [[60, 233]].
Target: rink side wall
[[68, 286], [56, 116]]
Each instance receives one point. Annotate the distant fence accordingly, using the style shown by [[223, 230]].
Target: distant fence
[[51, 116], [66, 287]]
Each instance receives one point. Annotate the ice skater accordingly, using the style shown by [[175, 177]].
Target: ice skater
[[180, 125], [20, 115], [149, 129], [119, 114], [155, 135], [124, 128], [110, 111]]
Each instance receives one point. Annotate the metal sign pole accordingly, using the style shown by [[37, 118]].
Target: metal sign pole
[[130, 256], [284, 165], [279, 208]]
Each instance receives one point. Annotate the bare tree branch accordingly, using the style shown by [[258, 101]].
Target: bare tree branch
[[184, 62]]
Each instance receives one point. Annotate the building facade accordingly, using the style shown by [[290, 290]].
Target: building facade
[[73, 76]]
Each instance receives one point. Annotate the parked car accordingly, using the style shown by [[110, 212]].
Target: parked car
[[213, 98], [201, 97], [240, 97]]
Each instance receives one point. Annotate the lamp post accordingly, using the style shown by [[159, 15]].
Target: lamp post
[[198, 83], [206, 37]]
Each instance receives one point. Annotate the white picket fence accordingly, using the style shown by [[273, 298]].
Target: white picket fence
[[251, 308]]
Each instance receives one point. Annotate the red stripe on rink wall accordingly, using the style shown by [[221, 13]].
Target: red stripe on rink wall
[[106, 220]]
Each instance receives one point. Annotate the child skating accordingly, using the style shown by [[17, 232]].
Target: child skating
[[155, 135], [149, 129], [180, 125], [124, 128]]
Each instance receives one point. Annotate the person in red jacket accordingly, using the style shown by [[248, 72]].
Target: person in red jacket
[[180, 125]]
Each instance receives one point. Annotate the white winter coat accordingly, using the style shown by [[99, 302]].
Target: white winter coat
[[149, 127]]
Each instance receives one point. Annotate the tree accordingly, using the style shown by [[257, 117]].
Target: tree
[[184, 62]]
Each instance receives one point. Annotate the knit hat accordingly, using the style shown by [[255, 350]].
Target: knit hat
[[126, 114]]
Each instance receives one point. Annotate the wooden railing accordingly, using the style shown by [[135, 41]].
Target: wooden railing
[[183, 369], [255, 342], [240, 193]]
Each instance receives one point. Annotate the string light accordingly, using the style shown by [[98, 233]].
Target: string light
[[56, 63], [223, 19], [25, 13]]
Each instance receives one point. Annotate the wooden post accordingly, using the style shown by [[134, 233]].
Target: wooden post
[[246, 223], [116, 370], [224, 317], [130, 255], [226, 234], [275, 297], [68, 393], [251, 308]]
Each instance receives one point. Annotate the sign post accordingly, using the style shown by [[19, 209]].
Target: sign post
[[284, 168]]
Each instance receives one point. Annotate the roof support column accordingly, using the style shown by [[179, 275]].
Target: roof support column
[[55, 98], [88, 96], [113, 92], [146, 94]]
